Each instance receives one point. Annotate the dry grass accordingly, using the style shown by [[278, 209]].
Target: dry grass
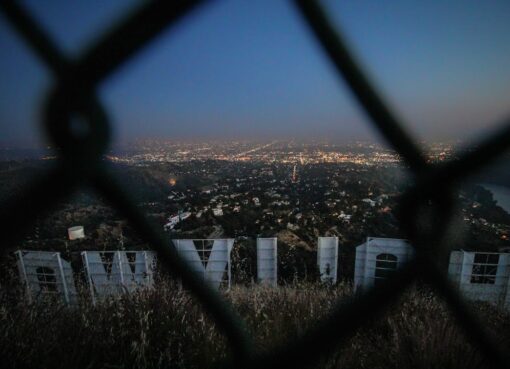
[[166, 328]]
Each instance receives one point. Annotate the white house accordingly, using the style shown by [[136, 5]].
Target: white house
[[369, 202], [481, 276], [176, 219], [378, 258]]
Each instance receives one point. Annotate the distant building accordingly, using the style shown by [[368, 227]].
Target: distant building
[[176, 196], [381, 198], [172, 222], [176, 219], [369, 202], [292, 227], [344, 217]]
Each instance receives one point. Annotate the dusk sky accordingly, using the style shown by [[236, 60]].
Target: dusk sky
[[252, 69]]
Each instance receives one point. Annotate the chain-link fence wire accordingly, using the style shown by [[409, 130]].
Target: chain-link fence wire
[[425, 212]]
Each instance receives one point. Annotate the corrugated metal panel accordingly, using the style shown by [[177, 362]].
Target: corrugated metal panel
[[266, 261], [111, 273], [327, 258], [209, 258], [367, 258], [45, 274]]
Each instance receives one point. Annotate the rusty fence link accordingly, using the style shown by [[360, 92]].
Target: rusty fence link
[[425, 211]]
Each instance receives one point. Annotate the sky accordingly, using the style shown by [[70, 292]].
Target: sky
[[252, 69]]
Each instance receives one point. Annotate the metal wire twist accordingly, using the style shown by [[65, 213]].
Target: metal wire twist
[[74, 97]]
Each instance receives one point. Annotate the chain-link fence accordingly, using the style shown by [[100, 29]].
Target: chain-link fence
[[425, 213]]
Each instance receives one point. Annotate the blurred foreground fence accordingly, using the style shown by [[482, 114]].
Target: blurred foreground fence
[[78, 125]]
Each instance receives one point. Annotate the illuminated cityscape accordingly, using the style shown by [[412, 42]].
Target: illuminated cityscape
[[281, 151]]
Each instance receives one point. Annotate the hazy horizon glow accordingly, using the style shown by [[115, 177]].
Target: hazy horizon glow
[[239, 69]]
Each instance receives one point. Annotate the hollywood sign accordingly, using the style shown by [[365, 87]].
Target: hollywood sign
[[111, 273], [208, 259], [47, 274], [377, 259], [479, 276]]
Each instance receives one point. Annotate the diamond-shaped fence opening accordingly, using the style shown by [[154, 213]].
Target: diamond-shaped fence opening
[[73, 97]]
